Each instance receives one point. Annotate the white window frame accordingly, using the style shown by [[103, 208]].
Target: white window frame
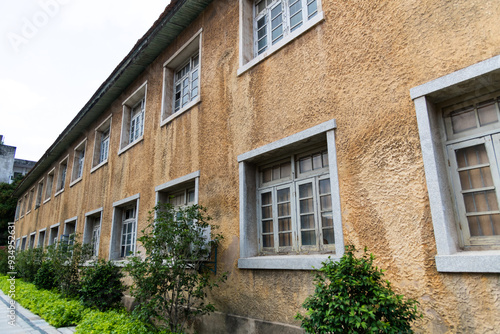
[[25, 205], [18, 209], [247, 56], [39, 194], [62, 175], [41, 242], [119, 208], [18, 243], [248, 170], [68, 222], [50, 185], [476, 79], [102, 139], [23, 242], [78, 162], [170, 68], [30, 200], [137, 98], [54, 227], [92, 219], [32, 240]]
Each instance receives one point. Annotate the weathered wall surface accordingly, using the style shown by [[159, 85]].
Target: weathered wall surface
[[7, 154], [356, 67]]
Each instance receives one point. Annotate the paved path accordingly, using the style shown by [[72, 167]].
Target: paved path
[[25, 321]]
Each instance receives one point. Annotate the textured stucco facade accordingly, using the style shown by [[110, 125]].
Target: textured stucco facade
[[356, 66]]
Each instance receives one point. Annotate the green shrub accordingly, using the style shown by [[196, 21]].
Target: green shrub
[[112, 322], [28, 262], [45, 276], [4, 260], [170, 282], [352, 297], [101, 286]]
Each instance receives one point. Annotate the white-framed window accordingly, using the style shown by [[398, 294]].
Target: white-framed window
[[50, 184], [134, 110], [92, 230], [54, 234], [30, 199], [18, 209], [32, 240], [61, 175], [39, 194], [101, 144], [23, 242], [459, 131], [69, 231], [268, 25], [78, 162], [25, 205], [18, 243], [124, 228], [181, 79], [41, 237], [290, 202]]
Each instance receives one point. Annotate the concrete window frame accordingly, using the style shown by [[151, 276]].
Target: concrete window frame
[[41, 237], [478, 79], [18, 209], [32, 240], [140, 94], [93, 218], [30, 200], [62, 174], [39, 193], [54, 234], [78, 162], [119, 208], [70, 228], [102, 139], [23, 242], [321, 134], [170, 67], [247, 57], [49, 185]]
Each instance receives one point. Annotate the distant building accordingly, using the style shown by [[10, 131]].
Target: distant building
[[10, 167]]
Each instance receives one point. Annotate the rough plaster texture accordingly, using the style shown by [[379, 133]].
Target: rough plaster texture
[[7, 154], [356, 67]]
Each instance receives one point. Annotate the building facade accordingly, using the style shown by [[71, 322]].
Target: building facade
[[10, 167], [302, 126]]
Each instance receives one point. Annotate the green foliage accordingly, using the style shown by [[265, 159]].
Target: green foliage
[[4, 260], [8, 205], [170, 283], [57, 311], [28, 262], [112, 322], [44, 278], [352, 297], [101, 286], [66, 260]]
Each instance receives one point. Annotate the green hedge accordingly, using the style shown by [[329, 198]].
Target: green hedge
[[63, 312]]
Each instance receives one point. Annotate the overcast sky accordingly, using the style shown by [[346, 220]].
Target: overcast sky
[[54, 54]]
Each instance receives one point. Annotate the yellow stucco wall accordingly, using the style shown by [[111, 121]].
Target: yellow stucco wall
[[357, 67]]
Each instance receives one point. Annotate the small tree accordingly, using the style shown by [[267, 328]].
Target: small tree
[[101, 286], [351, 297], [170, 282]]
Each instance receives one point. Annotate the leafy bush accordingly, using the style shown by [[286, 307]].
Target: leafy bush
[[112, 322], [66, 259], [170, 283], [101, 286], [28, 262], [45, 276], [351, 297], [57, 311], [4, 260]]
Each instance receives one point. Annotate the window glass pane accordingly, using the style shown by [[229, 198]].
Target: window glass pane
[[308, 238], [285, 239], [267, 212], [487, 113], [295, 6], [267, 175], [485, 225], [326, 219], [284, 224], [326, 203], [283, 195], [284, 209], [276, 173], [267, 226], [305, 190], [463, 120], [267, 240], [312, 8], [262, 45], [277, 34], [324, 186], [317, 161], [328, 237], [266, 198], [307, 221], [260, 6], [286, 170], [196, 60], [305, 165]]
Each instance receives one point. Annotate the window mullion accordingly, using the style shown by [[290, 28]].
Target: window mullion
[[275, 219]]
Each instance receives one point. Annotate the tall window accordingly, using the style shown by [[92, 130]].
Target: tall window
[[134, 113], [30, 202], [92, 230], [295, 204], [474, 169], [41, 238], [274, 19], [39, 194], [186, 82], [50, 182], [137, 121], [127, 246], [61, 178], [78, 162], [101, 144]]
